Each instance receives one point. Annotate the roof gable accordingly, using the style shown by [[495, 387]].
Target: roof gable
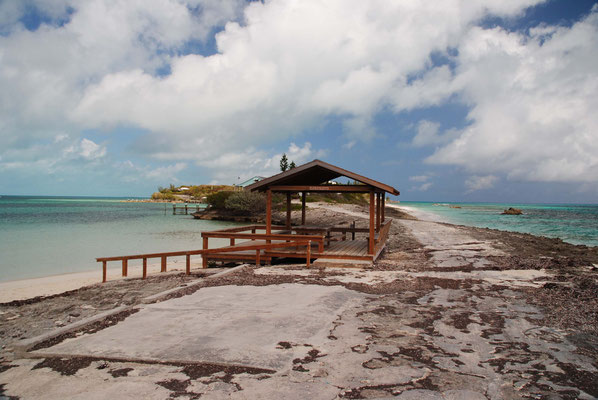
[[314, 173]]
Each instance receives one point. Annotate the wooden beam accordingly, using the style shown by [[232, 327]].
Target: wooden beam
[[322, 188], [378, 212], [125, 267], [163, 266], [303, 208], [104, 271], [144, 268], [288, 224], [372, 224], [383, 205], [188, 264]]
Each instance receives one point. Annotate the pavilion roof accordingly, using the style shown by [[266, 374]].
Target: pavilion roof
[[314, 173]]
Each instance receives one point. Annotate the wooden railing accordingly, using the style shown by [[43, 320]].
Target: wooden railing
[[258, 247], [382, 236]]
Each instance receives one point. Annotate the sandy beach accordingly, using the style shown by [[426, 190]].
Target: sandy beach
[[447, 312]]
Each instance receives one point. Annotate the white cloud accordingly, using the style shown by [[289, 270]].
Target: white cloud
[[230, 167], [534, 102], [287, 66], [424, 181], [476, 182], [428, 134], [419, 178]]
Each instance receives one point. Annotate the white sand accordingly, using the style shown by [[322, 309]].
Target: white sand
[[49, 285], [417, 213]]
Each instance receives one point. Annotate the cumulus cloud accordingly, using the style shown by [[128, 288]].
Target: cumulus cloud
[[252, 162], [283, 67], [476, 182], [533, 100], [423, 183]]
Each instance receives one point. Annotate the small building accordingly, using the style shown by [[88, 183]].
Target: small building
[[250, 181]]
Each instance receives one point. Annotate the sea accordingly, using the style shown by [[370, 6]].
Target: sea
[[43, 236], [573, 223]]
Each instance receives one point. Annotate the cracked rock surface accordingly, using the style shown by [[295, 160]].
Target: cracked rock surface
[[448, 312]]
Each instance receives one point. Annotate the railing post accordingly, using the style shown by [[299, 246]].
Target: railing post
[[232, 241], [188, 264], [257, 257], [321, 245], [144, 268], [204, 259], [308, 254], [125, 267], [103, 271], [163, 267]]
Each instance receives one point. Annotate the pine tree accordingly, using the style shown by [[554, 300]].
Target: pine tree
[[292, 165], [284, 162]]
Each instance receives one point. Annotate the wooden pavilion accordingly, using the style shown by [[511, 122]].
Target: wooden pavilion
[[263, 243], [328, 242]]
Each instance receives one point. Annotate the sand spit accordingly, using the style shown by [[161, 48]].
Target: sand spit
[[448, 312]]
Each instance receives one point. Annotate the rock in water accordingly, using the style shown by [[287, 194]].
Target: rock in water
[[512, 211]]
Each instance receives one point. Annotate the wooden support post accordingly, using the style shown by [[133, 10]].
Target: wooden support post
[[204, 259], [288, 224], [308, 255], [186, 212], [302, 208], [383, 205], [257, 257], [268, 213], [232, 241], [144, 268], [378, 215], [125, 266], [353, 233], [173, 209], [372, 223], [188, 264], [163, 267], [103, 271]]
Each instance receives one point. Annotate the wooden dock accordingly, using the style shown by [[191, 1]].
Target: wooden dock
[[183, 209]]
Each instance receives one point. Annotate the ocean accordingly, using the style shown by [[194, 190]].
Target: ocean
[[573, 223], [42, 236]]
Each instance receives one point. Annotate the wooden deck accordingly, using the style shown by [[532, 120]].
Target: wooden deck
[[335, 245]]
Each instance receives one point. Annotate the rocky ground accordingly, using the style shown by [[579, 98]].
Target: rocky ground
[[447, 312]]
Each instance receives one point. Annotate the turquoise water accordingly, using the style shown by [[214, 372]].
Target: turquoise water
[[573, 223], [41, 236]]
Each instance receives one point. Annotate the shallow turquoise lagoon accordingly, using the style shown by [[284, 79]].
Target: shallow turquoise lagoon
[[574, 223], [41, 236]]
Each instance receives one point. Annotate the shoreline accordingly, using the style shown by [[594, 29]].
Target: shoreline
[[22, 289]]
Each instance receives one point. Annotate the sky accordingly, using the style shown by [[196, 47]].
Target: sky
[[452, 100]]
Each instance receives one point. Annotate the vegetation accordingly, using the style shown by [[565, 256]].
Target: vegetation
[[284, 163], [246, 203], [194, 192], [345, 198], [163, 196], [218, 200]]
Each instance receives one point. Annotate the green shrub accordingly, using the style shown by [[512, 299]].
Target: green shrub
[[217, 200], [246, 203], [163, 196]]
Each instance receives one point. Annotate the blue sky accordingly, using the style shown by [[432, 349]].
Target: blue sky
[[451, 101]]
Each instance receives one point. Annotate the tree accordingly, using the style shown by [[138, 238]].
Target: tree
[[284, 162], [292, 165]]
